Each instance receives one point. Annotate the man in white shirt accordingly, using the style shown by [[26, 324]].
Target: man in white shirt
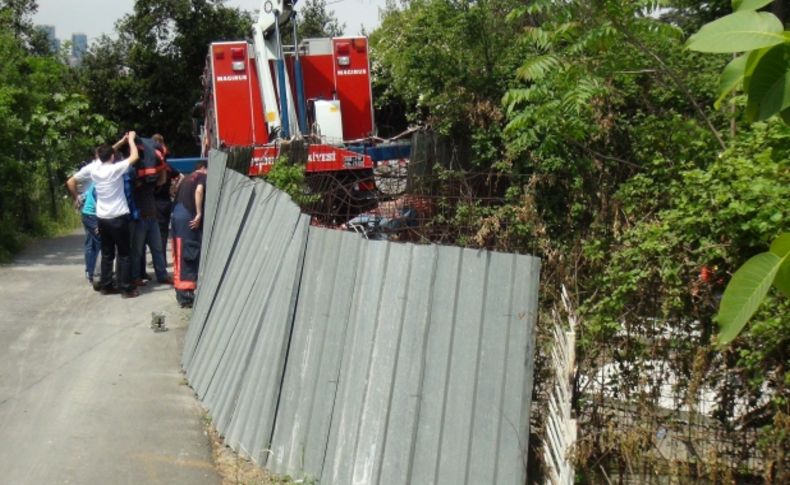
[[112, 212]]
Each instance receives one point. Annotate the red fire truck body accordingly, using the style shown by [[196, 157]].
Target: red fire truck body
[[336, 90]]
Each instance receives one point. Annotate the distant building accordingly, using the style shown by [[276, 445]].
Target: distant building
[[54, 43], [79, 46]]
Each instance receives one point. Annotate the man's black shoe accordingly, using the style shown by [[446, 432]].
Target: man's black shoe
[[109, 291], [130, 294]]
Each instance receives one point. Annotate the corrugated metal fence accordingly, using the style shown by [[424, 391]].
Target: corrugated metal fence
[[324, 355]]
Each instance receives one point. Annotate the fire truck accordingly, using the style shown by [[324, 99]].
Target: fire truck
[[315, 94]]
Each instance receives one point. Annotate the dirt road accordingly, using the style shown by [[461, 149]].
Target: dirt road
[[89, 394]]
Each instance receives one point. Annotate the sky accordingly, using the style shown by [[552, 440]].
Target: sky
[[97, 17]]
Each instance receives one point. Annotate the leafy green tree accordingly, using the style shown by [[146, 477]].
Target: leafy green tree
[[764, 67], [48, 127], [150, 76], [449, 63], [17, 15], [315, 20], [764, 72]]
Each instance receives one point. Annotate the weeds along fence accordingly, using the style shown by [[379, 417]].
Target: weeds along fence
[[325, 355]]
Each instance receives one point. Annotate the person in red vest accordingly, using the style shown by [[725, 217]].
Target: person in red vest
[[187, 226], [164, 192]]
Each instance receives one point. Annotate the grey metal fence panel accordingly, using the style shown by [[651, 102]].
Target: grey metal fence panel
[[265, 313], [234, 292], [319, 336], [434, 379], [478, 367], [326, 355], [251, 425], [232, 209], [214, 182]]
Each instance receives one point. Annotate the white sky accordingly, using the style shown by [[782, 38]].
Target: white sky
[[96, 17]]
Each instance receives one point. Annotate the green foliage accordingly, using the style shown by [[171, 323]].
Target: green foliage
[[764, 70], [738, 32], [739, 5], [47, 127], [150, 76], [316, 21], [290, 178], [448, 63], [16, 18], [769, 85], [638, 196], [747, 290]]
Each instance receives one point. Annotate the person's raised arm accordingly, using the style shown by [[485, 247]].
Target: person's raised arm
[[195, 223], [118, 144], [134, 155]]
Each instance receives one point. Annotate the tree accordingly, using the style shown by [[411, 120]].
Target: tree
[[150, 77], [316, 21], [16, 15], [48, 127], [449, 63], [764, 72]]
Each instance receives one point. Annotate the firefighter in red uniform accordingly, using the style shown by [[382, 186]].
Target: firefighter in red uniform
[[187, 225]]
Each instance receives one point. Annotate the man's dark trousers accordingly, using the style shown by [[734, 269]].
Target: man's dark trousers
[[115, 235]]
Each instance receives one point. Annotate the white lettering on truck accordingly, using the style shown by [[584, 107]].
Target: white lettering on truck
[[322, 157], [238, 77], [352, 72]]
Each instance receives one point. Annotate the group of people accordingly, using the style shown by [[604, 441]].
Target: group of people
[[127, 206]]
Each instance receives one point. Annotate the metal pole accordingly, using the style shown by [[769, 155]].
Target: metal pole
[[285, 132], [300, 101]]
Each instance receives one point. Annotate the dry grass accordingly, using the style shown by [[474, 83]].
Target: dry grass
[[234, 469]]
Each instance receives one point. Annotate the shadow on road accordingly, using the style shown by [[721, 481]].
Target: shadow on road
[[59, 251]]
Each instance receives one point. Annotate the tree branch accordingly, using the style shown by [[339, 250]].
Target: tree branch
[[678, 82]]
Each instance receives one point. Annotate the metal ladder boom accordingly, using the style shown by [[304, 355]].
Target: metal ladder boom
[[268, 47]]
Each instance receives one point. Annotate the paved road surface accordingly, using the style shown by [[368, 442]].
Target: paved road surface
[[89, 394]]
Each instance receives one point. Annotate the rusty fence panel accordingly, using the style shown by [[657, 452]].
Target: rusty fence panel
[[327, 356]]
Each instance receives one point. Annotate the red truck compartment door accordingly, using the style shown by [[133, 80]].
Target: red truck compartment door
[[237, 99]]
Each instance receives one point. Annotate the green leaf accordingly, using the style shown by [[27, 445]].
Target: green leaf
[[781, 248], [785, 116], [738, 5], [537, 67], [769, 87], [782, 279], [781, 245], [738, 32], [731, 77], [751, 63], [744, 293]]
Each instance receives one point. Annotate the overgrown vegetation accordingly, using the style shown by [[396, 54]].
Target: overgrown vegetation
[[46, 128], [290, 178], [641, 196]]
